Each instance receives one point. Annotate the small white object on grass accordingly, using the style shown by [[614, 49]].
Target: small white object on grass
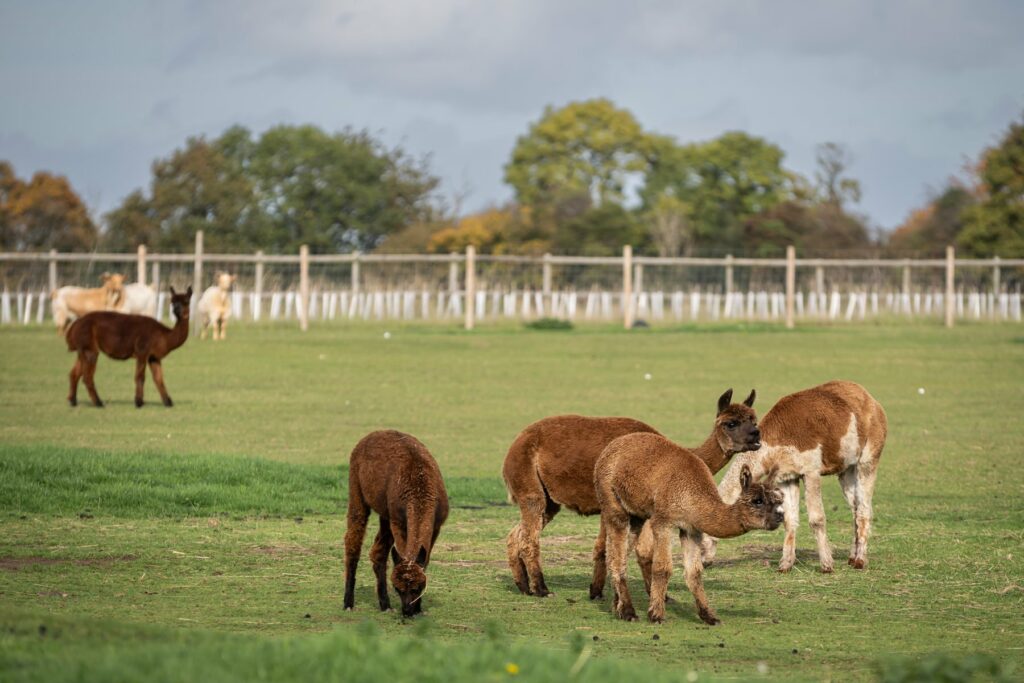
[[387, 335], [920, 390], [647, 375]]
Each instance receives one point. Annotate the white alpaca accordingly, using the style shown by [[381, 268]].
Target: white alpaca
[[139, 299], [215, 306], [68, 303]]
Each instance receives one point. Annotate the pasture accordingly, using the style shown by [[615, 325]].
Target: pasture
[[206, 540]]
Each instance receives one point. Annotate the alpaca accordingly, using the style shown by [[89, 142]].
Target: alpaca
[[835, 428], [394, 475], [551, 464], [139, 299], [122, 336], [215, 307], [646, 478], [69, 303]]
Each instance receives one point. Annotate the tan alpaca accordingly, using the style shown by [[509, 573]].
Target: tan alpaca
[[215, 307], [551, 464], [646, 477], [835, 428]]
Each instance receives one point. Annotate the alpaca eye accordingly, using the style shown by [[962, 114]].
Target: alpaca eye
[[759, 501], [732, 424]]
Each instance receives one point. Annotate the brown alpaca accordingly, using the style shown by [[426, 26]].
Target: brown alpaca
[[551, 464], [122, 336], [641, 477], [835, 428], [394, 475]]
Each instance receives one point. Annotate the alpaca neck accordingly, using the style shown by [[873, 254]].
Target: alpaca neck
[[178, 333], [712, 454], [723, 521]]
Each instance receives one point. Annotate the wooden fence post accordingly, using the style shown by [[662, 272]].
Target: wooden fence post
[[819, 279], [197, 280], [257, 286], [627, 287], [906, 277], [141, 265], [790, 284], [304, 287], [996, 276], [53, 270], [638, 278], [546, 283], [729, 281], [453, 273], [354, 282], [950, 285], [470, 286]]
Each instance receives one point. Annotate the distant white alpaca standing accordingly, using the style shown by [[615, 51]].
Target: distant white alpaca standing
[[215, 306], [836, 428], [139, 299]]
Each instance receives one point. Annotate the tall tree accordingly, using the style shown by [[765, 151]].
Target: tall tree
[[928, 230], [995, 225], [43, 213], [587, 149], [833, 161]]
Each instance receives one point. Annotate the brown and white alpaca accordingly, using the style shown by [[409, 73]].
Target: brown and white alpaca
[[835, 428], [646, 478], [551, 463], [121, 337], [394, 475], [215, 307]]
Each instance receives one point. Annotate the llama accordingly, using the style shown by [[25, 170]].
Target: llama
[[122, 336], [138, 299], [215, 307], [551, 464], [69, 303], [646, 478], [835, 428], [394, 475]]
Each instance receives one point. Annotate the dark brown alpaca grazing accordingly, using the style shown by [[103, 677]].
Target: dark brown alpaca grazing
[[646, 479], [394, 475], [122, 337], [551, 464]]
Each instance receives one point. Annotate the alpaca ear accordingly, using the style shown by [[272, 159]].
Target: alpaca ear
[[421, 557], [173, 293], [188, 292], [749, 402], [105, 276], [769, 477], [745, 477], [724, 400]]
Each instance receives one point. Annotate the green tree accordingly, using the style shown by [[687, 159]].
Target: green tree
[[834, 188], [587, 149], [995, 225], [600, 231], [43, 213], [928, 230]]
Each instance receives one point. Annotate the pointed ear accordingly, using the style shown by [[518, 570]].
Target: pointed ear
[[188, 292], [173, 293], [749, 402], [421, 557], [745, 477], [769, 477], [724, 400]]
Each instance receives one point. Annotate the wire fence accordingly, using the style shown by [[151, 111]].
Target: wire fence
[[471, 287]]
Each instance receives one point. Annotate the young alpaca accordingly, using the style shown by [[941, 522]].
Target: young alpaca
[[646, 478], [551, 464], [834, 428], [394, 475], [215, 307], [121, 337]]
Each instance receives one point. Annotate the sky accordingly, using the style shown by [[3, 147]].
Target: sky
[[913, 89]]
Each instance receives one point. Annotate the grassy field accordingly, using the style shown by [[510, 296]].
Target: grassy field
[[163, 544]]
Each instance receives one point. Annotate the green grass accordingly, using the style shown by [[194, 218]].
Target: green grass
[[215, 528]]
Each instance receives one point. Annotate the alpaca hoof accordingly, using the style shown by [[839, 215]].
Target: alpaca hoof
[[827, 569], [596, 593], [349, 609], [785, 570], [709, 617], [138, 403], [656, 618], [858, 563], [169, 403], [98, 404], [73, 402]]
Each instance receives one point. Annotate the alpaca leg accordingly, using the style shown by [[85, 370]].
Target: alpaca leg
[[158, 378], [536, 515], [514, 547], [382, 545], [140, 379], [866, 473], [354, 533], [617, 527], [645, 554], [224, 328], [203, 326], [600, 564], [791, 512], [848, 481], [708, 550], [816, 520], [694, 580], [661, 538], [76, 374], [89, 366]]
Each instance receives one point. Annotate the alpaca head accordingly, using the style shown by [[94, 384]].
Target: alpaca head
[[113, 283], [736, 424], [760, 502], [410, 581], [224, 281], [180, 302]]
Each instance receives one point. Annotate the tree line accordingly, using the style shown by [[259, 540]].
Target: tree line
[[586, 178]]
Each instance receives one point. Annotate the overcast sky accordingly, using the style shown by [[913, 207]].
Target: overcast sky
[[97, 90]]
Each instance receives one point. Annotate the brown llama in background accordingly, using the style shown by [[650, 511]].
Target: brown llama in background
[[394, 475], [551, 464], [645, 478], [122, 336]]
